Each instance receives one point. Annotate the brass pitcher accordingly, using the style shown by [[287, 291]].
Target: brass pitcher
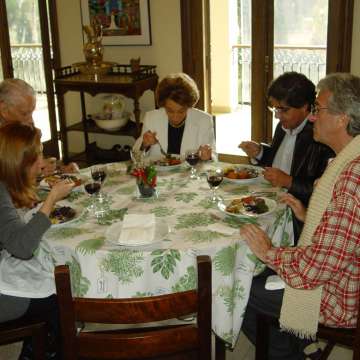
[[93, 48]]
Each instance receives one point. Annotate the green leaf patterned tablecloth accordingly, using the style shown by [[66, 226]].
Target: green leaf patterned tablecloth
[[103, 269]]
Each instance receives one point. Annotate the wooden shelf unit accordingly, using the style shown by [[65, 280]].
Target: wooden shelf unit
[[120, 80]]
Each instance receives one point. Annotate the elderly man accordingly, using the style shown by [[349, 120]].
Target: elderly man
[[17, 103], [322, 274], [293, 160]]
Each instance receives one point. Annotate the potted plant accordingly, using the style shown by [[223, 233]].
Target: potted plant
[[146, 180]]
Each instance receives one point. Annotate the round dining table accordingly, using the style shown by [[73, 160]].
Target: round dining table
[[186, 224]]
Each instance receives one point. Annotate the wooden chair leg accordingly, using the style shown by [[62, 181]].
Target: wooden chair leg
[[38, 341], [327, 350], [220, 349]]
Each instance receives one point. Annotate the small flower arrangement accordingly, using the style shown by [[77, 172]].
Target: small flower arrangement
[[146, 180]]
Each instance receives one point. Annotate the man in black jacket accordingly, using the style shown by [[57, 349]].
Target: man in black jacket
[[294, 160]]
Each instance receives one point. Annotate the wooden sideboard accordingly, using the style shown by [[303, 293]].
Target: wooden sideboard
[[120, 80]]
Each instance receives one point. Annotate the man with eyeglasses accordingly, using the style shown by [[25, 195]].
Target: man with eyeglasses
[[322, 274], [294, 160]]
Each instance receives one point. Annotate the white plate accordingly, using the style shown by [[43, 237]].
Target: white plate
[[112, 234], [272, 205], [245, 181], [78, 213], [168, 167], [44, 185]]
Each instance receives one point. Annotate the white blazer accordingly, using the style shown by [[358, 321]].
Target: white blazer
[[198, 131]]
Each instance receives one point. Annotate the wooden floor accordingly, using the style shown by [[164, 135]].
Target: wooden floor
[[244, 351]]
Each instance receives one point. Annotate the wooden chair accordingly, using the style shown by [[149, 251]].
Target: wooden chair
[[19, 329], [185, 341], [332, 336]]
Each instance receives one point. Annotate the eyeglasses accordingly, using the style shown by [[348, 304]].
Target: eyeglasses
[[316, 109], [279, 110]]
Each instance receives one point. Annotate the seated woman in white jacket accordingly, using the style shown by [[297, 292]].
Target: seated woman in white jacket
[[177, 125]]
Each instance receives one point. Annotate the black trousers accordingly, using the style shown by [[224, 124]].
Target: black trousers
[[45, 309], [282, 345]]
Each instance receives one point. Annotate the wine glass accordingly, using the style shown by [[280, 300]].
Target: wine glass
[[214, 178], [99, 174], [192, 157], [92, 187]]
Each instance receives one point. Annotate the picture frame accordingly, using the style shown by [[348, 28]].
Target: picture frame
[[125, 22]]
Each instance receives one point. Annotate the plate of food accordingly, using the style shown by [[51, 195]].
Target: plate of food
[[242, 174], [63, 215], [248, 206], [48, 181], [168, 163]]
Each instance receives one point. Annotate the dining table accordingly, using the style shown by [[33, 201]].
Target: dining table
[[187, 224]]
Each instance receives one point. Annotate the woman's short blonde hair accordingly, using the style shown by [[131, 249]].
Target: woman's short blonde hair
[[20, 147], [178, 87]]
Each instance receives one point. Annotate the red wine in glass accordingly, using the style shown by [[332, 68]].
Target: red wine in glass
[[214, 180], [192, 158], [98, 175], [93, 188]]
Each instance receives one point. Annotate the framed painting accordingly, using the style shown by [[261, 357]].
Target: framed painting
[[125, 22]]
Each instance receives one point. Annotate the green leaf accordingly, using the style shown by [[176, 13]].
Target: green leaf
[[185, 197], [186, 282], [198, 236], [165, 261], [112, 216], [194, 219], [224, 260], [67, 232], [89, 247], [79, 284], [161, 211], [125, 264]]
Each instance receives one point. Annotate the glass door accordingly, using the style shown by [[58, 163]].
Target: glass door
[[29, 42], [269, 37], [300, 42]]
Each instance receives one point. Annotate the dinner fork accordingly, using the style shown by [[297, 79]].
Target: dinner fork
[[161, 148]]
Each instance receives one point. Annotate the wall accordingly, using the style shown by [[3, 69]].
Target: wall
[[165, 52], [355, 55]]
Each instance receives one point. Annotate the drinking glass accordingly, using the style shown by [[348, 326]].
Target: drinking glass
[[92, 187], [214, 178], [192, 157], [99, 174]]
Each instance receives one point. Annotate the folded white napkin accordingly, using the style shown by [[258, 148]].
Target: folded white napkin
[[137, 229], [274, 282]]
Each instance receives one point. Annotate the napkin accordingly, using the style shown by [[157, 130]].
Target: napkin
[[137, 229], [274, 282]]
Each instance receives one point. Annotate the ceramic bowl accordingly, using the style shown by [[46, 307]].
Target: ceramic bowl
[[110, 124]]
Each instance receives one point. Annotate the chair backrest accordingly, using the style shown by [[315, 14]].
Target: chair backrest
[[137, 343], [19, 329]]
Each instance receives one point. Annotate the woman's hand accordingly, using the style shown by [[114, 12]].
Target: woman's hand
[[149, 138], [296, 205], [205, 152], [257, 240], [60, 190], [277, 177], [48, 166], [251, 148]]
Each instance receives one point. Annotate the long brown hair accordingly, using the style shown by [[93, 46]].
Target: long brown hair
[[20, 147]]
